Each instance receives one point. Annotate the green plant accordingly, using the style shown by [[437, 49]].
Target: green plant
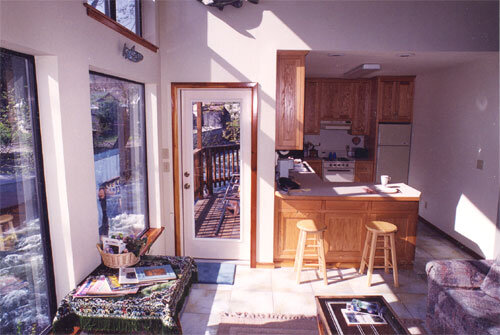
[[134, 244]]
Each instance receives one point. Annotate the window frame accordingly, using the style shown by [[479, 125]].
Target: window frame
[[109, 22], [40, 190], [110, 11], [147, 230]]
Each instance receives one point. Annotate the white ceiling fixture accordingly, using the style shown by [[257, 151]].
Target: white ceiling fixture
[[362, 70]]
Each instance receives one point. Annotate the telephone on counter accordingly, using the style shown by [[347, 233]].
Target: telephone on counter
[[287, 184]]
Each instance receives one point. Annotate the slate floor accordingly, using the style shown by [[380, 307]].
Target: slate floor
[[275, 290]]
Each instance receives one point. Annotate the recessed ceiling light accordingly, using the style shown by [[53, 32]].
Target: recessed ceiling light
[[406, 54], [335, 55]]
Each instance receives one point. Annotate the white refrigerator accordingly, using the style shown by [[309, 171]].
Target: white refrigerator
[[393, 153]]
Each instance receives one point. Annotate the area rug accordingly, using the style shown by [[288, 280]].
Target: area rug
[[275, 324], [216, 273]]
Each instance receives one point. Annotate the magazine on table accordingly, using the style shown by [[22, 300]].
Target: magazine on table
[[146, 275], [360, 318], [99, 287]]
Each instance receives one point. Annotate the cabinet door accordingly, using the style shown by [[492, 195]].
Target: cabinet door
[[406, 235], [405, 101], [345, 236], [287, 235], [317, 166], [345, 100], [290, 100], [361, 113], [328, 92], [387, 103], [311, 108], [363, 171]]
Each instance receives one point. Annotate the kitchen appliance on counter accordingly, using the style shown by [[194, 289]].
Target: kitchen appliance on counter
[[284, 166], [339, 170], [393, 153]]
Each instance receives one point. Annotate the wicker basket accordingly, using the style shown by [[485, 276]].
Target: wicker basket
[[118, 260]]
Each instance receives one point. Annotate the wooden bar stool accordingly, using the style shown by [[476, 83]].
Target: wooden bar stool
[[312, 228], [387, 231], [6, 220]]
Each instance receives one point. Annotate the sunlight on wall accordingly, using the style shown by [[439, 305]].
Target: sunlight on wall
[[476, 226]]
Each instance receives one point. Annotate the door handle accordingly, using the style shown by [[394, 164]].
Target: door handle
[[186, 174], [186, 186]]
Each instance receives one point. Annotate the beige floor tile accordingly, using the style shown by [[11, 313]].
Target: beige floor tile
[[379, 285], [285, 280], [409, 282], [336, 285], [415, 303], [294, 303], [212, 287], [252, 279], [251, 302], [206, 301], [196, 324]]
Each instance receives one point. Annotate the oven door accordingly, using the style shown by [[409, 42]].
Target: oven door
[[334, 175]]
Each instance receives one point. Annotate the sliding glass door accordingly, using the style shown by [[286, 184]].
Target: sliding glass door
[[27, 301]]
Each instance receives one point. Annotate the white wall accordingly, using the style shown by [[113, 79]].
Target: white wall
[[456, 124], [67, 44], [203, 44]]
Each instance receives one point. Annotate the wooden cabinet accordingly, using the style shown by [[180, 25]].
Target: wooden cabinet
[[311, 108], [290, 82], [317, 166], [395, 99], [363, 171], [345, 221], [337, 99], [361, 112]]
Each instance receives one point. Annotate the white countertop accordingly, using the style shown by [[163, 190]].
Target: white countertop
[[313, 186]]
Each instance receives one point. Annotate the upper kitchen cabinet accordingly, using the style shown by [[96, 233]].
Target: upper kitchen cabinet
[[361, 112], [290, 82], [311, 109], [337, 99], [395, 99]]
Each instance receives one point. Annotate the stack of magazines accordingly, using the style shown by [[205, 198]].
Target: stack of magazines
[[128, 281]]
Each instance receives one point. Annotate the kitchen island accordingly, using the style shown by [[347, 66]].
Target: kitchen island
[[345, 208]]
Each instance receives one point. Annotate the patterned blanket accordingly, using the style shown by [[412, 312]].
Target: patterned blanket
[[153, 309]]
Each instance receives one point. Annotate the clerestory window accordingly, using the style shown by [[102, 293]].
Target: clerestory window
[[125, 12]]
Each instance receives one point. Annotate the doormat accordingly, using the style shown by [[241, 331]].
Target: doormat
[[216, 273], [275, 324]]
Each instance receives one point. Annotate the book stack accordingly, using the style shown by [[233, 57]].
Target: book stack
[[128, 281]]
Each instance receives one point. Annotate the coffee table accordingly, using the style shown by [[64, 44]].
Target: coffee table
[[331, 321]]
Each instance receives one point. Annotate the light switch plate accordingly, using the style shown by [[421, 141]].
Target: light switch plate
[[479, 164]]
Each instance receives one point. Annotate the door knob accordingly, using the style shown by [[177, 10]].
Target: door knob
[[186, 174], [187, 186]]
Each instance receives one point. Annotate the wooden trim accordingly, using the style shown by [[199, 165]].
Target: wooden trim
[[265, 265], [152, 234], [451, 239], [101, 17], [175, 87]]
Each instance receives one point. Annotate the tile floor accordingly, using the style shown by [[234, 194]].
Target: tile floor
[[275, 290]]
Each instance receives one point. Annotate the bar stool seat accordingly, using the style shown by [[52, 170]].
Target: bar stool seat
[[6, 220], [310, 227], [376, 230]]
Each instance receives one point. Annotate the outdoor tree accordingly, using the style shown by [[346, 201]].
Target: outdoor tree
[[232, 127]]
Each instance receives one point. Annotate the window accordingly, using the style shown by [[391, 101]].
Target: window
[[119, 137], [125, 12], [27, 297]]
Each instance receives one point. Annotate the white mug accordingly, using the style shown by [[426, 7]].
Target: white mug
[[385, 179]]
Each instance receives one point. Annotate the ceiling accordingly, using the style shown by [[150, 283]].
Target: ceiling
[[320, 64]]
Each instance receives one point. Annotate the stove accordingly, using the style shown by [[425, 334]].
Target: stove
[[339, 170]]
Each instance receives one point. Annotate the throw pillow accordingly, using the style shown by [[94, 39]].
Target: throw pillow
[[491, 284]]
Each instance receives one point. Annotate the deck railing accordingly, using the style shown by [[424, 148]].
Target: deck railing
[[214, 166]]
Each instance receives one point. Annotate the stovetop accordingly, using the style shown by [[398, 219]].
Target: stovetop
[[338, 159]]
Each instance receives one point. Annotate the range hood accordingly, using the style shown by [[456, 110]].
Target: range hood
[[337, 125]]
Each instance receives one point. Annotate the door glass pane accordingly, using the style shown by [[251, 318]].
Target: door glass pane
[[216, 170], [25, 303], [118, 128]]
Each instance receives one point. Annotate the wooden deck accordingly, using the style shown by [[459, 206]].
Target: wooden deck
[[207, 213]]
